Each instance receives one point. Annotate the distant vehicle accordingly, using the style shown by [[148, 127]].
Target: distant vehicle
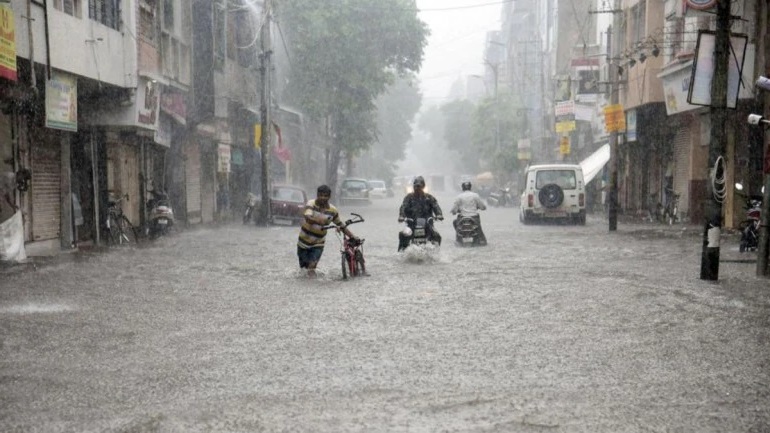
[[287, 204], [553, 191], [354, 190], [378, 189]]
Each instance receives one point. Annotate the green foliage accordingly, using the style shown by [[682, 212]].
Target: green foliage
[[506, 118], [344, 54]]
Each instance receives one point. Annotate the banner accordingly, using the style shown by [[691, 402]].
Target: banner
[[7, 43]]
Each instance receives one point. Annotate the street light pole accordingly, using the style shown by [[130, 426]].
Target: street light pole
[[264, 114]]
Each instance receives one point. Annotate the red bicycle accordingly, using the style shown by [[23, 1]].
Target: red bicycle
[[351, 250]]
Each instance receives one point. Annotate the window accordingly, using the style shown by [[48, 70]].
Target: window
[[69, 7], [106, 12], [147, 20], [638, 22], [168, 15]]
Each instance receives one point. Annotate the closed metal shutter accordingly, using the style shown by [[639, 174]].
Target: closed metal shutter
[[193, 182], [208, 186], [682, 168], [46, 190]]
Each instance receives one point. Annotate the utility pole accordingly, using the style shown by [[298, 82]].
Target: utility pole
[[264, 113], [612, 215], [709, 268]]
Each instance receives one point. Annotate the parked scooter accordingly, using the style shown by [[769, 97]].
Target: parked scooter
[[161, 217], [750, 227], [500, 197], [251, 208]]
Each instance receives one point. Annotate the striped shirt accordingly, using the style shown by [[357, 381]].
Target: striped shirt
[[312, 234]]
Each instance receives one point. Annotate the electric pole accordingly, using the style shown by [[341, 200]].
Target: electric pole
[[612, 215], [709, 268], [264, 113]]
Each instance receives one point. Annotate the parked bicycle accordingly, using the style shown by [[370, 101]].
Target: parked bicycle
[[120, 231], [351, 250]]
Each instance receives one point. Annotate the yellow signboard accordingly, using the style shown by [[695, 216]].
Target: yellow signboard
[[614, 118], [7, 43], [564, 146], [565, 126], [257, 135]]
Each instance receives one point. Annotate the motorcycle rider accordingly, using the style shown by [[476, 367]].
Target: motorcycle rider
[[468, 204], [318, 213], [419, 204]]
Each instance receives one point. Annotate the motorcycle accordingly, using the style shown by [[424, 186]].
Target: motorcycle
[[419, 230], [750, 227], [251, 207], [467, 231], [500, 197], [161, 217]]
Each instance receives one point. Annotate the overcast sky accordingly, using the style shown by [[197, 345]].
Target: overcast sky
[[456, 44]]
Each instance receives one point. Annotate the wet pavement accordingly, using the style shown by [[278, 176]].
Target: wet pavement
[[553, 328]]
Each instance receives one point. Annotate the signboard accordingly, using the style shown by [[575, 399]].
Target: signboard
[[223, 160], [564, 145], [703, 69], [565, 126], [631, 125], [525, 149], [614, 118], [257, 135], [61, 102], [7, 43], [147, 105]]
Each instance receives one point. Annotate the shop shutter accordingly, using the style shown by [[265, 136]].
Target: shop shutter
[[46, 190], [208, 186], [193, 182], [682, 168]]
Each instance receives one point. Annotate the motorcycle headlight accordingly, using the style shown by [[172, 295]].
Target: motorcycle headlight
[[406, 231]]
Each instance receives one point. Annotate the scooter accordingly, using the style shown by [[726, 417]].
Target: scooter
[[251, 206], [467, 232], [500, 197], [750, 227], [161, 217]]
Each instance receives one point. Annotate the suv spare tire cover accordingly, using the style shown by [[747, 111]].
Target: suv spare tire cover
[[551, 196]]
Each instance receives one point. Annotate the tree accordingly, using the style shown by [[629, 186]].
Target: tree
[[501, 154], [396, 109], [344, 53]]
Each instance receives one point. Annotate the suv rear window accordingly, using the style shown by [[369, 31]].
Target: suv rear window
[[564, 178], [354, 184]]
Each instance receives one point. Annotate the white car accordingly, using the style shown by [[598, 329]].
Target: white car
[[377, 189], [553, 191]]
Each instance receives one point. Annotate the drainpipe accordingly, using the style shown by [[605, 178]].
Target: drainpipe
[[47, 41]]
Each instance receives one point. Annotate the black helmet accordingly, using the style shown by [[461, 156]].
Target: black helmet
[[418, 181], [466, 186]]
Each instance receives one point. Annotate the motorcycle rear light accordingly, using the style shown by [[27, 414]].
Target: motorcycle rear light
[[581, 199], [530, 200]]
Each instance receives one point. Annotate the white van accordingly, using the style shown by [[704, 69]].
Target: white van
[[553, 191]]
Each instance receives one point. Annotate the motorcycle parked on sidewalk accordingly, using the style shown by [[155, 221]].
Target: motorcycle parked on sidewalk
[[500, 197], [750, 227], [161, 217], [251, 208]]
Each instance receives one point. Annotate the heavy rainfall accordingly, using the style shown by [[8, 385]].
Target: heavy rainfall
[[384, 215]]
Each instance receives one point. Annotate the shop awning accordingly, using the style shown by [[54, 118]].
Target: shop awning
[[593, 164]]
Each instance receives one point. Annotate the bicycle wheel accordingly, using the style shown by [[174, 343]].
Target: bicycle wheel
[[360, 264], [344, 266], [127, 232]]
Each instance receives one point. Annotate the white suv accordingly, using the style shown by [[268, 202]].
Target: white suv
[[553, 191]]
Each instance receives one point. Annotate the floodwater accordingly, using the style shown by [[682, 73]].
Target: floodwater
[[555, 328]]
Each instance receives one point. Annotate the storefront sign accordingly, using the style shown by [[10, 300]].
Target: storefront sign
[[223, 163], [631, 125], [614, 118], [703, 70], [61, 102], [7, 43], [676, 83]]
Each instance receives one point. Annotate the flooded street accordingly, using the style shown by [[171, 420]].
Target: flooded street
[[549, 328]]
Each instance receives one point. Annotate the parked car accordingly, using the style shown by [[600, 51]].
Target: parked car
[[353, 191], [553, 191], [287, 204], [378, 189]]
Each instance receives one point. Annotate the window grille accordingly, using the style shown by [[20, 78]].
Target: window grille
[[106, 12]]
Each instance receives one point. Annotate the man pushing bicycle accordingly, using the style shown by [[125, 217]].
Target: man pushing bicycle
[[318, 213]]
